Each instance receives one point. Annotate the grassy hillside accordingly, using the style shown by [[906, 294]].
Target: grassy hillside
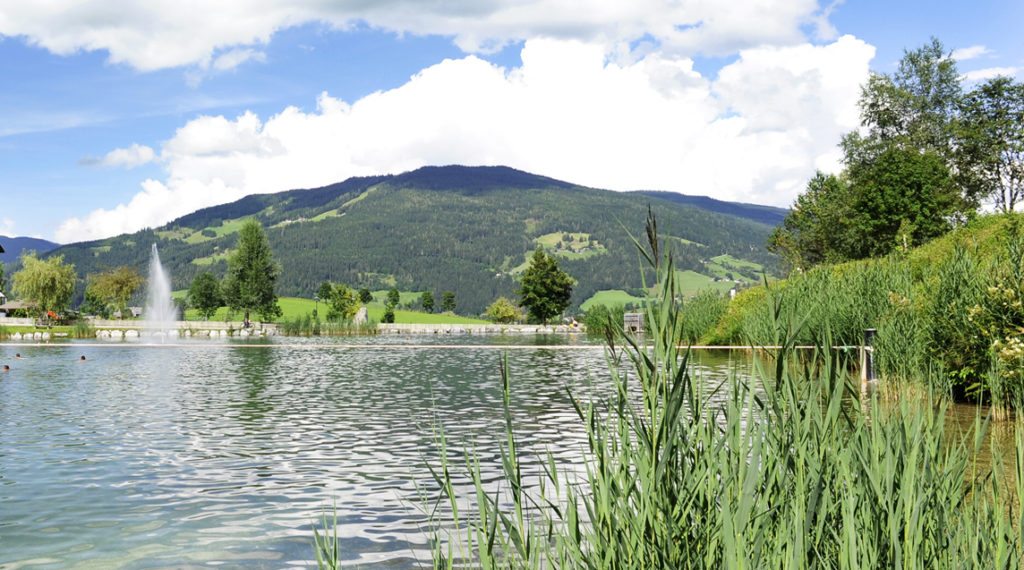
[[463, 229]]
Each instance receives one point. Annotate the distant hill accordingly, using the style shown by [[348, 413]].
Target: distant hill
[[763, 214], [465, 229], [13, 246]]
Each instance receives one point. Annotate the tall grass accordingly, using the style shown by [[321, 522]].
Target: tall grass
[[307, 325], [83, 330], [788, 473]]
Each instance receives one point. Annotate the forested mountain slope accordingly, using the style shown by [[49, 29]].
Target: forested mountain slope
[[465, 229]]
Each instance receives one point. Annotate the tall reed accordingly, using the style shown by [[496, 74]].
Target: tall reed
[[788, 473]]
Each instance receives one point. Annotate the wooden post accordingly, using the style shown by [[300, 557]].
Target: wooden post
[[867, 356]]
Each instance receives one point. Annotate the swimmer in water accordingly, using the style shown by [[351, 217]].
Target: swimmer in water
[[6, 368], [81, 358], [17, 355]]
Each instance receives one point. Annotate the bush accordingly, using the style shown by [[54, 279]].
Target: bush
[[601, 320]]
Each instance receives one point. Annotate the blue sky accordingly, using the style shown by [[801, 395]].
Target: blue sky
[[644, 96]]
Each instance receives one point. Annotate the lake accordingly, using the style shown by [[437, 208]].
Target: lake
[[207, 454]]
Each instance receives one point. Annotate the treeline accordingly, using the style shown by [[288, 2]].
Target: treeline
[[930, 153]]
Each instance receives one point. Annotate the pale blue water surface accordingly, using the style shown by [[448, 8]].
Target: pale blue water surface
[[205, 454]]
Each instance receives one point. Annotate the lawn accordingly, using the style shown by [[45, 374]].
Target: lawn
[[294, 307], [611, 298], [690, 282]]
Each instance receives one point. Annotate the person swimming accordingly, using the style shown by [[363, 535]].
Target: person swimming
[[18, 355], [6, 368], [81, 358]]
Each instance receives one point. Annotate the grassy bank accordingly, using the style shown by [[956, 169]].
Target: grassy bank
[[949, 314]]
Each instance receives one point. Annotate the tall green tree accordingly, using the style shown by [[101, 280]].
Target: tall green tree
[[46, 284], [990, 153], [917, 104], [252, 274], [3, 277], [204, 294], [817, 224], [900, 200], [393, 297], [448, 302], [427, 301], [115, 287], [545, 289]]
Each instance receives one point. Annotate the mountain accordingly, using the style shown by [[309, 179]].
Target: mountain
[[465, 229], [13, 246], [756, 212]]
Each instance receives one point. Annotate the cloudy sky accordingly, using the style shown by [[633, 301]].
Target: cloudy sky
[[117, 115]]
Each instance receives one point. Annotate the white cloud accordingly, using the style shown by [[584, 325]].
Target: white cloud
[[171, 33], [131, 157], [6, 227], [972, 52], [990, 72], [754, 134]]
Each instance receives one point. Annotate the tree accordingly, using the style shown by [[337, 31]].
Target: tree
[[3, 278], [903, 198], [545, 289], [990, 154], [917, 104], [252, 274], [46, 284], [365, 296], [115, 288], [390, 302], [427, 301], [325, 291], [204, 294], [448, 302], [814, 229], [503, 310], [393, 297], [343, 302]]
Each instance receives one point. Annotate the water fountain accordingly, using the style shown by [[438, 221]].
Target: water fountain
[[161, 314]]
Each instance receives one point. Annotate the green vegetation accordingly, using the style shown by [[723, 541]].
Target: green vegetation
[[929, 156], [204, 295], [783, 472], [570, 245], [448, 228], [208, 260], [114, 288], [46, 284], [611, 298], [252, 275], [544, 289], [448, 302], [503, 310]]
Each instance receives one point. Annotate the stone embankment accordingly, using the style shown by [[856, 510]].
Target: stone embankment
[[480, 329]]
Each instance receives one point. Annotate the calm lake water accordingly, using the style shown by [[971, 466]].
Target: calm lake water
[[203, 454]]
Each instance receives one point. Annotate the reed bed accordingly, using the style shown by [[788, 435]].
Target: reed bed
[[794, 470], [307, 325]]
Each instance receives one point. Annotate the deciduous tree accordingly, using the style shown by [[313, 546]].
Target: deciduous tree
[[115, 288], [204, 294], [46, 284], [503, 310], [990, 153], [427, 301]]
